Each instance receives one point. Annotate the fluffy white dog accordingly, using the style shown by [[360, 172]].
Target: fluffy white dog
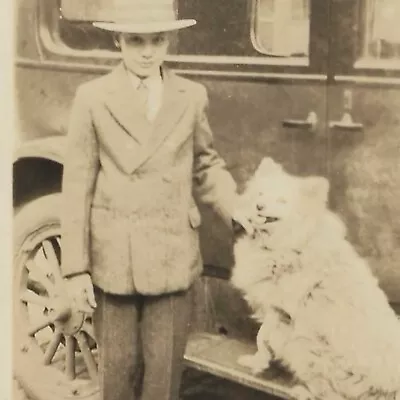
[[322, 313]]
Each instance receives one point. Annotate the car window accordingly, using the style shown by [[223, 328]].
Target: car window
[[217, 33], [282, 27], [380, 30], [79, 35], [257, 29]]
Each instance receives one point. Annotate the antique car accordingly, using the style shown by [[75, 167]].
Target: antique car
[[313, 84]]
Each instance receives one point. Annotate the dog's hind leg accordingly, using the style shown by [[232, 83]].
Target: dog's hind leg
[[322, 388]]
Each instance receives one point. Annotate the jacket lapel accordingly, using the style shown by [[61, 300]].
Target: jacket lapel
[[124, 106]]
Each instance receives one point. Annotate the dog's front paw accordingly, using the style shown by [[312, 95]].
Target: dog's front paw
[[256, 363]]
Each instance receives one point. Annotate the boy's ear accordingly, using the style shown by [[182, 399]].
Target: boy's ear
[[116, 39]]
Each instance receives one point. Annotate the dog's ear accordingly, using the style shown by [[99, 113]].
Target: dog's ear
[[268, 166], [317, 188], [238, 229]]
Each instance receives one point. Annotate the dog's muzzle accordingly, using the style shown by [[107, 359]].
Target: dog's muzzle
[[271, 219], [262, 219]]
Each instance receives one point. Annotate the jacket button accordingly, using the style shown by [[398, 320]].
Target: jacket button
[[135, 177]]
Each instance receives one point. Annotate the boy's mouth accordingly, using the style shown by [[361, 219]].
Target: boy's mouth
[[146, 64]]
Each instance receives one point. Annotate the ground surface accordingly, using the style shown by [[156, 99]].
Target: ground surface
[[197, 386]]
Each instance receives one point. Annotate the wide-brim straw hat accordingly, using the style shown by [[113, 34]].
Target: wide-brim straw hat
[[141, 16]]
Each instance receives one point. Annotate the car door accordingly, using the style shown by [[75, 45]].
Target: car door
[[264, 64], [364, 127]]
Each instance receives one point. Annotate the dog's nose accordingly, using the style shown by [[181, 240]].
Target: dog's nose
[[260, 206]]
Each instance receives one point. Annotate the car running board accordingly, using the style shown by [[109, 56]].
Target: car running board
[[218, 354]]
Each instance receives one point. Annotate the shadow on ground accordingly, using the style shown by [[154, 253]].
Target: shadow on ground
[[201, 386]]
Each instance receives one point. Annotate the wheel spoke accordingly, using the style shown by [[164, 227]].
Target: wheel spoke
[[28, 296], [40, 276], [53, 261], [88, 328], [52, 348], [70, 358], [40, 325], [87, 355], [36, 287]]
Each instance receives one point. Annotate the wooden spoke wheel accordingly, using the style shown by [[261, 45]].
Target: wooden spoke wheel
[[55, 353]]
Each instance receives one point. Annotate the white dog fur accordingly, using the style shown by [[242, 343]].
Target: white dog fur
[[322, 313]]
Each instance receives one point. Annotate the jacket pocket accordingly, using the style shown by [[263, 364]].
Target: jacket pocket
[[194, 217], [109, 242]]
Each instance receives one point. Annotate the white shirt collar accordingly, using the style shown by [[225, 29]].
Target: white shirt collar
[[151, 81]]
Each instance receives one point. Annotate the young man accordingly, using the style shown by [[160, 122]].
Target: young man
[[138, 147]]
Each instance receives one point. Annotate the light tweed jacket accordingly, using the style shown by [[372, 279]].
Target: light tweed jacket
[[129, 215]]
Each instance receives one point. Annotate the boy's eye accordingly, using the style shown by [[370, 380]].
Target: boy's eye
[[158, 40], [135, 40]]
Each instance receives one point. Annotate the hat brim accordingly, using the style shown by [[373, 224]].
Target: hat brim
[[148, 27]]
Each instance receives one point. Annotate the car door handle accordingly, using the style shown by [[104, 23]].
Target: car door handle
[[310, 123], [346, 123]]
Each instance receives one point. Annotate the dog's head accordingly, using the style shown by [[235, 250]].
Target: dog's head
[[281, 206]]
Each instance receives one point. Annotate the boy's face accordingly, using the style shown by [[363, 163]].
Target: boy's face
[[144, 53]]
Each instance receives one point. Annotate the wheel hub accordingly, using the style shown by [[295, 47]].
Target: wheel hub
[[68, 319]]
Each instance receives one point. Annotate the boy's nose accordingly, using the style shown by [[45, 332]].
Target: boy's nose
[[148, 50]]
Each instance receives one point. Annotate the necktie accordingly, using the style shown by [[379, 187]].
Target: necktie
[[143, 94]]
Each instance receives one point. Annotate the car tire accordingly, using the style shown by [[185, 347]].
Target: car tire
[[50, 361]]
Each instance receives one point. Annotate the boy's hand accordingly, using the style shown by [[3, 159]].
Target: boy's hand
[[80, 291]]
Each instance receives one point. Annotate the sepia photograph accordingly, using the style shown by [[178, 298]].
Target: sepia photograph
[[204, 199]]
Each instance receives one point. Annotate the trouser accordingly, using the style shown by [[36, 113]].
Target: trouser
[[141, 341]]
